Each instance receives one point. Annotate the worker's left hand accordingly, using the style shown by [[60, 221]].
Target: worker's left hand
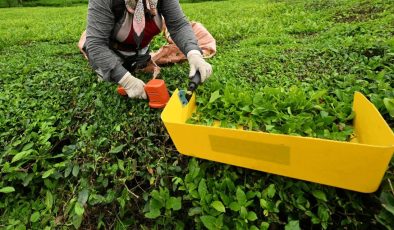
[[197, 63], [133, 86]]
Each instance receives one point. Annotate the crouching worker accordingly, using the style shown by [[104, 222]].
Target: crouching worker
[[118, 34]]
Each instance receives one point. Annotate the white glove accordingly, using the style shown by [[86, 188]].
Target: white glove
[[197, 63], [133, 86]]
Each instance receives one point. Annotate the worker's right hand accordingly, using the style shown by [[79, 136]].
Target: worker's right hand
[[197, 63], [133, 86]]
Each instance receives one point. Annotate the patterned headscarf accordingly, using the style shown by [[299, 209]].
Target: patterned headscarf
[[136, 7]]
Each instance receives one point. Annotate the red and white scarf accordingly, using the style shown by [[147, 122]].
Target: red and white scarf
[[136, 7]]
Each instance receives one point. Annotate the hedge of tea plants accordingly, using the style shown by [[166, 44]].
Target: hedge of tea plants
[[74, 154]]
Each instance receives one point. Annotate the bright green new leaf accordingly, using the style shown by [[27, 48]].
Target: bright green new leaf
[[156, 195], [271, 191], [264, 203], [389, 104], [175, 203], [244, 212], [318, 94], [77, 221], [202, 189], [323, 213], [152, 214], [264, 226], [49, 200], [214, 96], [121, 164], [209, 222], [7, 189], [69, 206], [28, 146], [293, 225], [117, 149], [48, 173], [252, 216], [323, 114], [235, 206], [319, 195], [155, 204], [35, 217], [79, 209], [218, 205], [241, 197], [21, 155]]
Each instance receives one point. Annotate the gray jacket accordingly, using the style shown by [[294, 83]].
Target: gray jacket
[[101, 24]]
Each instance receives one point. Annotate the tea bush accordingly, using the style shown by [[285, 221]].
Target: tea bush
[[74, 154]]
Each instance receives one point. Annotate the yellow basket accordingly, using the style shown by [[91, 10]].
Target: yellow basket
[[358, 165]]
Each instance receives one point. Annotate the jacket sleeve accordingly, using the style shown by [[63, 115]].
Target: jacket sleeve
[[180, 29], [100, 23]]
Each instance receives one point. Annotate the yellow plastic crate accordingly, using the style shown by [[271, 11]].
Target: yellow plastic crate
[[358, 165]]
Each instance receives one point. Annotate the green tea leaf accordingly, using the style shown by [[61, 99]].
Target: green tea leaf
[[202, 189], [79, 209], [194, 211], [35, 217], [209, 222], [293, 225], [77, 221], [121, 164], [264, 226], [319, 195], [271, 191], [389, 104], [117, 149], [175, 203], [235, 206], [7, 189], [214, 96], [48, 200], [241, 197], [318, 94], [67, 172], [83, 196], [218, 206], [155, 204], [323, 114], [75, 171], [244, 212], [28, 179], [152, 214], [387, 200], [21, 155], [28, 146], [323, 213], [156, 195], [48, 173], [264, 203], [252, 216]]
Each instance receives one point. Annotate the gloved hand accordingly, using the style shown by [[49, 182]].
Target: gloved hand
[[133, 86], [197, 62]]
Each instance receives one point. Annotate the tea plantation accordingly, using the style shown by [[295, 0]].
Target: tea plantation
[[74, 154]]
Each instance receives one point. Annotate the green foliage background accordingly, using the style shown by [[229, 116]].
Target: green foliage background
[[73, 154], [47, 3]]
